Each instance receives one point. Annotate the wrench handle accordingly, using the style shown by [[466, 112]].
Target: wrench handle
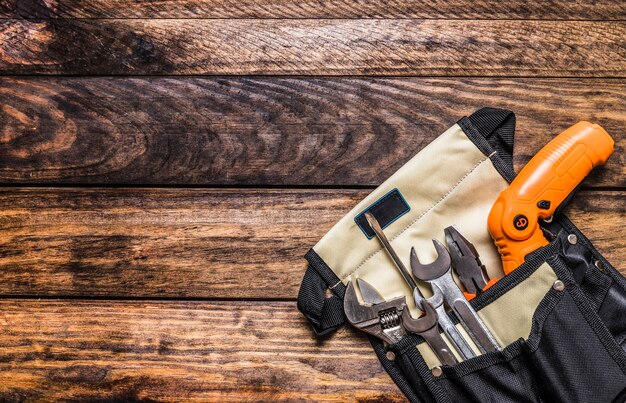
[[453, 334], [438, 345], [475, 327]]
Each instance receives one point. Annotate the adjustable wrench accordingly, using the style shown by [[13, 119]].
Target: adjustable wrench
[[377, 317], [439, 275], [388, 320]]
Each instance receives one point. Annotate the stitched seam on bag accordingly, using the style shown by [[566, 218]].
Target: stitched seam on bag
[[600, 338], [445, 196], [392, 193]]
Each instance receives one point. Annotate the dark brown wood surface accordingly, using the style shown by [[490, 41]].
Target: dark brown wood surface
[[165, 166], [313, 47], [196, 243], [443, 9], [273, 131], [218, 351]]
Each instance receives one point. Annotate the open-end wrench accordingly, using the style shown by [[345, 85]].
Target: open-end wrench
[[448, 327], [439, 275], [373, 222], [426, 326], [388, 320]]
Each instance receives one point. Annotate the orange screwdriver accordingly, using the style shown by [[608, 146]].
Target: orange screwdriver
[[542, 186]]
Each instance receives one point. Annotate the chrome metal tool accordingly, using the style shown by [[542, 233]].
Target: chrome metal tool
[[426, 326], [389, 320], [437, 300], [466, 262], [448, 327], [439, 275], [375, 316]]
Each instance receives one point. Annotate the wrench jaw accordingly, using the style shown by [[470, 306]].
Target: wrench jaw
[[426, 326], [422, 324], [430, 273], [436, 269], [437, 302], [439, 275], [383, 319]]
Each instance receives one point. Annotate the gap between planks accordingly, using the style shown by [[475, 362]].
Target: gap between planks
[[448, 9]]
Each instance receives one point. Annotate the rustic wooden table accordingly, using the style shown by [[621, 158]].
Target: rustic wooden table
[[165, 166]]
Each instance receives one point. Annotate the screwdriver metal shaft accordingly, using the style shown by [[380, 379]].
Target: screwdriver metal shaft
[[373, 222]]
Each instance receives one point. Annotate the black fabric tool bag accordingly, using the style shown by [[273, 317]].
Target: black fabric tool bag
[[560, 318]]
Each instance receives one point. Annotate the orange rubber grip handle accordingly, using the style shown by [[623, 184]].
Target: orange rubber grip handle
[[541, 187], [470, 297]]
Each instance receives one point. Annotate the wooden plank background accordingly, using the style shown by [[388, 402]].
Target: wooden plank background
[[165, 165]]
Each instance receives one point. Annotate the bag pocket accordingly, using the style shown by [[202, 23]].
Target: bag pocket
[[557, 347]]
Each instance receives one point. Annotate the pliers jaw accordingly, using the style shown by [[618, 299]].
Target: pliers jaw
[[466, 261]]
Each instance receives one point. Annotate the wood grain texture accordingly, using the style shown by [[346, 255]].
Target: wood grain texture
[[449, 9], [158, 281], [196, 243], [313, 47], [273, 131], [131, 351]]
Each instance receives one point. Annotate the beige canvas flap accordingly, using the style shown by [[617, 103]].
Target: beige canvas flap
[[449, 182]]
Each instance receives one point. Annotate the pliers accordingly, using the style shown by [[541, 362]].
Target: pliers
[[467, 265]]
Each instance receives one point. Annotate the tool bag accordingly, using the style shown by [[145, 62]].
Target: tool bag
[[562, 341]]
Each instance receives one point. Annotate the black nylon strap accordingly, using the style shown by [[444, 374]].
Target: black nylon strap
[[409, 385], [498, 127], [324, 311], [492, 131]]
